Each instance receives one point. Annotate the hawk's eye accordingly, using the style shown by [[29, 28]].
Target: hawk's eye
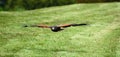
[[53, 28]]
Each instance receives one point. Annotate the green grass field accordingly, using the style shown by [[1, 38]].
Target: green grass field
[[100, 38]]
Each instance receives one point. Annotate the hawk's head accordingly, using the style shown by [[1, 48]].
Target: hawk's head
[[55, 28]]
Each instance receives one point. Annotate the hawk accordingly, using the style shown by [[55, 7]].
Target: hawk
[[56, 28]]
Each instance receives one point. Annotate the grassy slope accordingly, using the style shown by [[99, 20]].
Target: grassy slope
[[99, 39]]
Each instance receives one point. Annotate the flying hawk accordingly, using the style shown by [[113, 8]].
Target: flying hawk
[[55, 28]]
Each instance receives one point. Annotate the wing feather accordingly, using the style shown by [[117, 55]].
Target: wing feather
[[65, 25], [43, 26]]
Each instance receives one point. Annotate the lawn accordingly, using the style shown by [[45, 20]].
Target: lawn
[[100, 38]]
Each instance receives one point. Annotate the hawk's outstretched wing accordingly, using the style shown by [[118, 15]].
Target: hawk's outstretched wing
[[64, 25], [68, 25], [41, 26]]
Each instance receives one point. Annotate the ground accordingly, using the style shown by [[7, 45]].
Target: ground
[[100, 38]]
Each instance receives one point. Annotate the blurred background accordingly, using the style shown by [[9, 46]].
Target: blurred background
[[17, 5]]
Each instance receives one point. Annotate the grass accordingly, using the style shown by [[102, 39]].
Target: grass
[[101, 38]]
